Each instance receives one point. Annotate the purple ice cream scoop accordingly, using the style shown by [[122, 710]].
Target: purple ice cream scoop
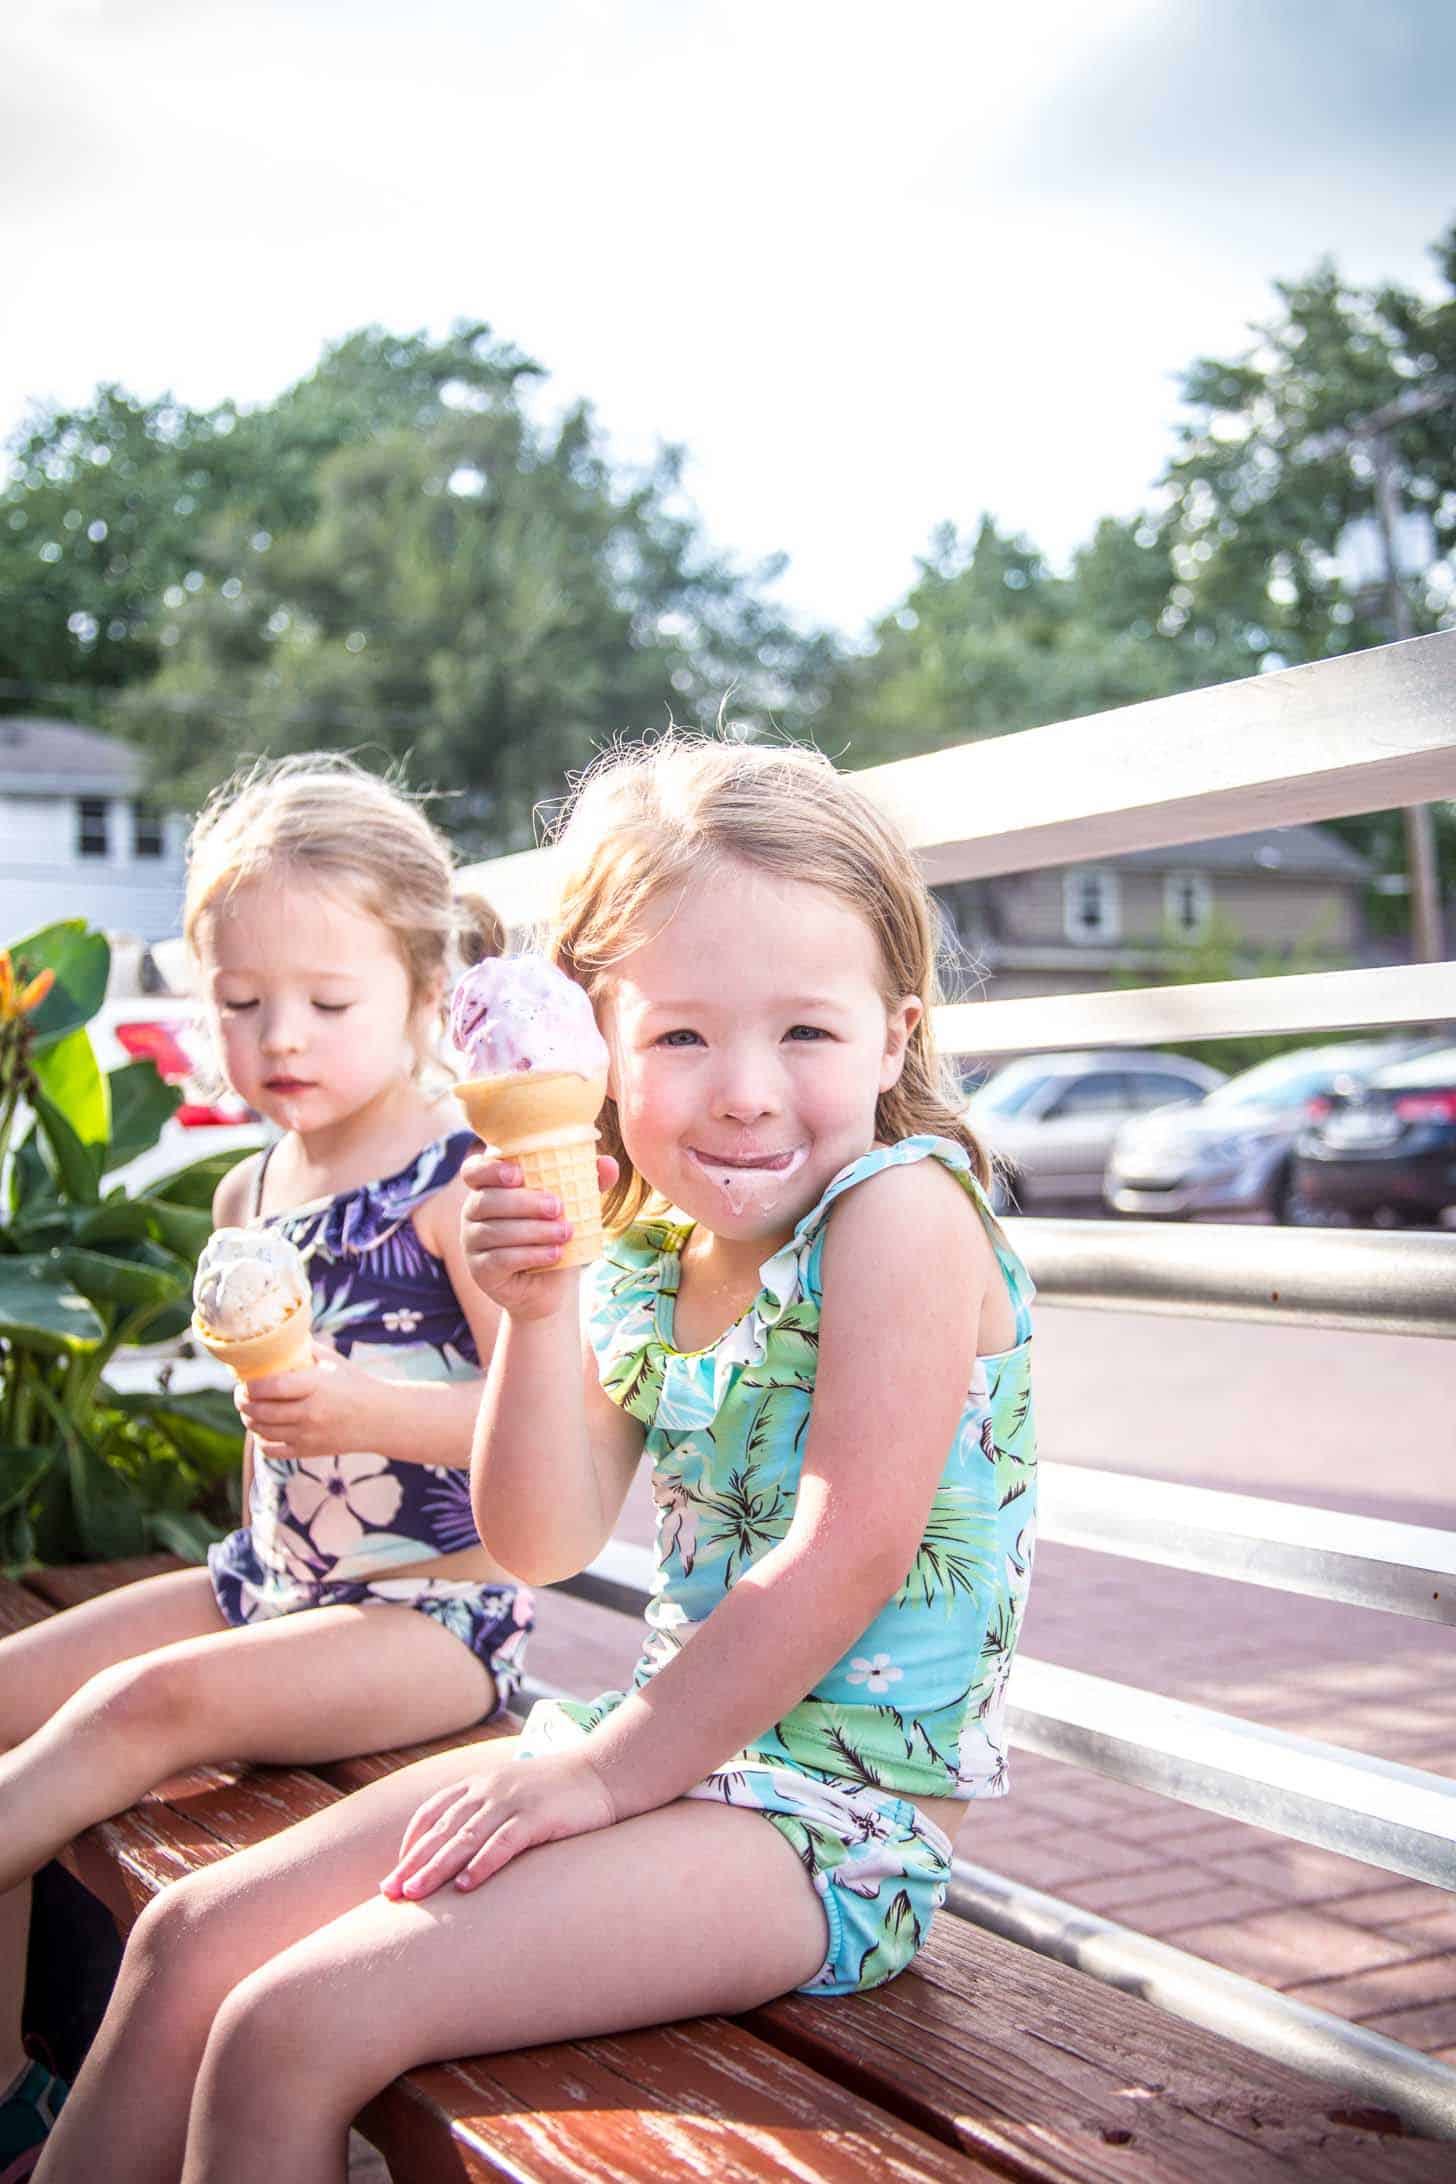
[[516, 1013]]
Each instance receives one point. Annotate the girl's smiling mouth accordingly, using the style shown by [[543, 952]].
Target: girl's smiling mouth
[[775, 1164]]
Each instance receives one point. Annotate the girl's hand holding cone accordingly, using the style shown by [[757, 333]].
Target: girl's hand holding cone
[[517, 1239]]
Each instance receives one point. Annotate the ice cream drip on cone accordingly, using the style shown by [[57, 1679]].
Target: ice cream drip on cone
[[538, 1077]]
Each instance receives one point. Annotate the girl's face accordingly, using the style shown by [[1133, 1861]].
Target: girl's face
[[750, 1041], [310, 999]]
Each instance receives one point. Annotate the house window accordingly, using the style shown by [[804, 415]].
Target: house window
[[1187, 904], [1090, 909], [146, 831], [93, 836]]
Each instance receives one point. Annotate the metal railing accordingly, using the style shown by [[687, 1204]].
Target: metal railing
[[1359, 734]]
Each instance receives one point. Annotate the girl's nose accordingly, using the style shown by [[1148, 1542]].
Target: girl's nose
[[281, 1032], [747, 1088]]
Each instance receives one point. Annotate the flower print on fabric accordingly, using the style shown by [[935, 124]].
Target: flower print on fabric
[[877, 1676], [917, 1704], [336, 1499], [387, 1303]]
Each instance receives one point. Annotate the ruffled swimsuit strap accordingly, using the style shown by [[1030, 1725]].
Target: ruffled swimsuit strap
[[362, 1219], [256, 1210], [804, 1251]]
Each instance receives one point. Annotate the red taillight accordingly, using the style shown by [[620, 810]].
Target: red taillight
[[192, 1117], [1316, 1109], [153, 1042], [146, 1040], [1426, 1106]]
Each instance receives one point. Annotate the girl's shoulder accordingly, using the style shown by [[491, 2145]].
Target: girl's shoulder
[[911, 1191]]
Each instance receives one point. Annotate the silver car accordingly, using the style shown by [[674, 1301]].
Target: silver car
[[1050, 1119], [1230, 1155]]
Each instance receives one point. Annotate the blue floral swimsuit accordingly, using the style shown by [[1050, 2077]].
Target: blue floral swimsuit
[[325, 1531], [916, 1707]]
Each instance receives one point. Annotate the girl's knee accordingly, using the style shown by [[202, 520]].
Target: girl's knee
[[156, 1698]]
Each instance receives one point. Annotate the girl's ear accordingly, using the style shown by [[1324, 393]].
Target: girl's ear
[[899, 1026]]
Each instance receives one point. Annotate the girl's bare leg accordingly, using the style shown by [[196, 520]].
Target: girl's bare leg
[[40, 1668], [320, 1991], [318, 1685], [192, 1946]]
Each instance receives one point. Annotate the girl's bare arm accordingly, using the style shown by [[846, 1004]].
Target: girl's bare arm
[[906, 1265]]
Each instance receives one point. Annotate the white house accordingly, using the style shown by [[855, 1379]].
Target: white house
[[76, 837]]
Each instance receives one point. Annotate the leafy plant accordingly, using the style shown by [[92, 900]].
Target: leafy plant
[[88, 1470]]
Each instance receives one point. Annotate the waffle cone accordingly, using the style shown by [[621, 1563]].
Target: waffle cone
[[546, 1123], [252, 1357]]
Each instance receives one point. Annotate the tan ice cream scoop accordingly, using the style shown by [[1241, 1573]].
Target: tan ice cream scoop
[[251, 1302]]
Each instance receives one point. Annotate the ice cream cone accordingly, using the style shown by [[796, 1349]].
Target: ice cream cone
[[545, 1122], [284, 1349]]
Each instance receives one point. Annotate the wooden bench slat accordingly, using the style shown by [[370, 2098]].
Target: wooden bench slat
[[66, 1587], [20, 1607], [699, 2099], [1051, 2074]]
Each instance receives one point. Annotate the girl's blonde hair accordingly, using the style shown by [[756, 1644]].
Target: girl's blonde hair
[[647, 818], [322, 817]]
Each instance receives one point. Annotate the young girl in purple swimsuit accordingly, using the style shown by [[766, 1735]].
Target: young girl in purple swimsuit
[[356, 1609]]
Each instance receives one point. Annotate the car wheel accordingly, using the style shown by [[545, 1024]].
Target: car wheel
[[1284, 1203]]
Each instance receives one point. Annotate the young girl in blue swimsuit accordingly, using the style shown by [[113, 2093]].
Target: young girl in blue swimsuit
[[321, 915], [810, 1324]]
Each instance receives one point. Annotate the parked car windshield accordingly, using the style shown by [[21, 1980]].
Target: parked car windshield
[[1008, 1091], [1288, 1079]]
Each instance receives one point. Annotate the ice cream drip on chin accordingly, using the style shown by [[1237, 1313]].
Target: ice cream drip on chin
[[751, 1183]]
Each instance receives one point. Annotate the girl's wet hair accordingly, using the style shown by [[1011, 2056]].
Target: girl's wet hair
[[647, 818], [321, 817]]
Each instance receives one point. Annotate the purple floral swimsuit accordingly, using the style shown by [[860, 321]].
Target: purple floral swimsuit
[[325, 1531]]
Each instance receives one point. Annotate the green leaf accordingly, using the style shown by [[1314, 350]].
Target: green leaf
[[107, 1517], [133, 1275], [81, 960], [183, 1229], [203, 1423], [183, 1532], [140, 1103], [74, 1164], [40, 1309], [21, 1471], [197, 1184], [30, 1180], [68, 1075], [117, 1221]]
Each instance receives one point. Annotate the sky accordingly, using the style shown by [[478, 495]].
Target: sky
[[875, 267]]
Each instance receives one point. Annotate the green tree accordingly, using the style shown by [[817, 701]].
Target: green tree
[[473, 592], [1274, 466], [108, 508], [988, 640]]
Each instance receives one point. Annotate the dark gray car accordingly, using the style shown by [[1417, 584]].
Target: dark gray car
[[1230, 1157]]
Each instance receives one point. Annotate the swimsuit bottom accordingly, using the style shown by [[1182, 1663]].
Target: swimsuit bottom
[[879, 1866], [492, 1621]]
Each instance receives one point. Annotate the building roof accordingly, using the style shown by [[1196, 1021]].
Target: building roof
[[61, 758], [1304, 852]]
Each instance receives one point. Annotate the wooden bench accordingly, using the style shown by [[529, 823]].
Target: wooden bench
[[984, 2059]]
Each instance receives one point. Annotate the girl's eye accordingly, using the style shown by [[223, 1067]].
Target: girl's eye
[[680, 1038], [807, 1031], [333, 1008], [236, 1008]]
